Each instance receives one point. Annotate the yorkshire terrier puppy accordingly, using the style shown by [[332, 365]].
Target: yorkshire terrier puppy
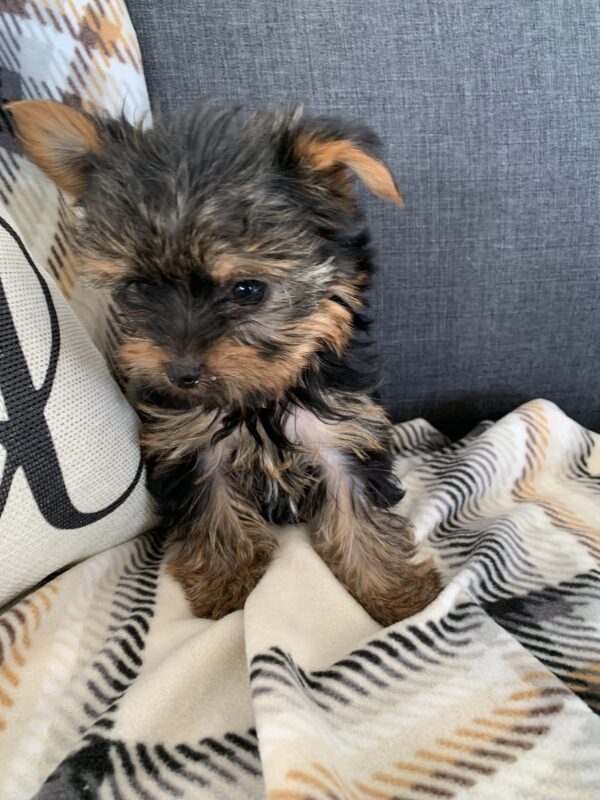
[[238, 259]]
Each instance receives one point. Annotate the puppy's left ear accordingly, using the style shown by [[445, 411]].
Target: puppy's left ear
[[331, 147], [59, 139]]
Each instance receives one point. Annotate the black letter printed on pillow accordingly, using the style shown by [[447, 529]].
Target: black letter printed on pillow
[[25, 434]]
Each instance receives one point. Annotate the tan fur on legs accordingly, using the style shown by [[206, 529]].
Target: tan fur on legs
[[224, 550], [214, 587], [369, 551]]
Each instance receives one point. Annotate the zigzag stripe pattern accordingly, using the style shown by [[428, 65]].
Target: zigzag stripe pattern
[[565, 636], [227, 766], [99, 663], [490, 692], [17, 631], [117, 664], [528, 562], [111, 647], [357, 697]]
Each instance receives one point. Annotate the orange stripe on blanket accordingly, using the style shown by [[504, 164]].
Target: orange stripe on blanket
[[475, 750], [525, 489], [336, 780], [19, 624], [5, 700], [369, 791], [8, 675], [340, 788]]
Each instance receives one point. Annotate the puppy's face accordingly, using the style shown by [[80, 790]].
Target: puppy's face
[[232, 245]]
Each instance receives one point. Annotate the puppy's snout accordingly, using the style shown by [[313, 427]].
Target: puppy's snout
[[183, 374]]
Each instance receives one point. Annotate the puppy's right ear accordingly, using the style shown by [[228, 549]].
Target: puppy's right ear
[[60, 140]]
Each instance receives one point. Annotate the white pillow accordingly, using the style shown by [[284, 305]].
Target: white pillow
[[72, 481]]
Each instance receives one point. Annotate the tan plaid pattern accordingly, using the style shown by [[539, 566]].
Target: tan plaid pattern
[[81, 53]]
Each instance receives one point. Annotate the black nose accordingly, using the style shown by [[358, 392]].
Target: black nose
[[183, 375]]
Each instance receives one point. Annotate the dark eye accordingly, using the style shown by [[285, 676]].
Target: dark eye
[[248, 291]]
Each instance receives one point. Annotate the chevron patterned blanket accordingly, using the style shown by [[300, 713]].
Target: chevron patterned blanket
[[110, 688]]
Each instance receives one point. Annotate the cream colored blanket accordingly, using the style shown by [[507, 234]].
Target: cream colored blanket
[[109, 687]]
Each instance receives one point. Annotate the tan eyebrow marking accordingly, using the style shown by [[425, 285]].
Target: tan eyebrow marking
[[231, 266]]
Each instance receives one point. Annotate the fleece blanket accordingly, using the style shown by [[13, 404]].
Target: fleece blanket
[[109, 688]]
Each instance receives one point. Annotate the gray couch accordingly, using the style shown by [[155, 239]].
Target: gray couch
[[489, 288]]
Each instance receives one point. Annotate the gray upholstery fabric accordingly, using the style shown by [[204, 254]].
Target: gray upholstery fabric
[[489, 287]]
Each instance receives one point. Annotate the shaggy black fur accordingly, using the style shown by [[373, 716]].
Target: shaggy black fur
[[239, 262], [213, 179]]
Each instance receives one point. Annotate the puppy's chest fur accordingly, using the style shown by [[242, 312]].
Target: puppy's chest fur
[[282, 459], [276, 460]]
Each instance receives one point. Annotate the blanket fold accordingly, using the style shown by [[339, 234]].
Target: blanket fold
[[110, 688]]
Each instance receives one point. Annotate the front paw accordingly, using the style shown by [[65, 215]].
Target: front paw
[[215, 590], [401, 592], [372, 555], [215, 600]]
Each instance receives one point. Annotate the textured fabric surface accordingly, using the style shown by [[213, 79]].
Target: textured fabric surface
[[85, 54], [71, 472], [71, 481], [490, 286], [110, 688]]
